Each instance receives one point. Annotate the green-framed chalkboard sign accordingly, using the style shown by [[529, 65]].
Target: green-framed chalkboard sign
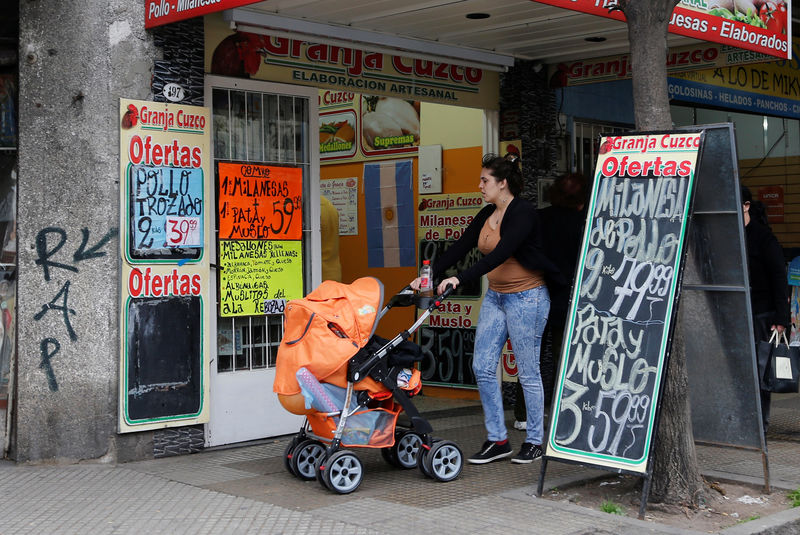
[[624, 301]]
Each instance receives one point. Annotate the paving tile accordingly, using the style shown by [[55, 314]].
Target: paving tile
[[247, 490]]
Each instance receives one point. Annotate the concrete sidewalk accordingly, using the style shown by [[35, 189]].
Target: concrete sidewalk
[[248, 490]]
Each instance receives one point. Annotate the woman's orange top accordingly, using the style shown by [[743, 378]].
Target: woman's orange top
[[510, 276]]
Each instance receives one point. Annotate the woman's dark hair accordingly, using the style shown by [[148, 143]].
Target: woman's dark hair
[[758, 212], [747, 196], [569, 191], [505, 168]]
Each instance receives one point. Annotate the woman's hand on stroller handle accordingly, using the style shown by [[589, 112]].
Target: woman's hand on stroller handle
[[447, 286], [450, 282]]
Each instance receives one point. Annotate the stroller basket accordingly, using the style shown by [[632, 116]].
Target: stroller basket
[[365, 426]]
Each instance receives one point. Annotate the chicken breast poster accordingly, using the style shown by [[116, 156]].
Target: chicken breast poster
[[355, 126]]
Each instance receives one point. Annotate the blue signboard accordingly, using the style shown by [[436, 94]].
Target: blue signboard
[[167, 211], [713, 95]]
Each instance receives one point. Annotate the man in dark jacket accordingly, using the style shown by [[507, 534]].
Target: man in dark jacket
[[769, 288], [562, 230]]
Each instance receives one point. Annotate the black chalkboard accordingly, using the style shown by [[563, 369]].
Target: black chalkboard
[[163, 358], [714, 284], [624, 301], [447, 355]]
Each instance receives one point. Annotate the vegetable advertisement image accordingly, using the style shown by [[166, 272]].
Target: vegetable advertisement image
[[337, 134], [769, 14]]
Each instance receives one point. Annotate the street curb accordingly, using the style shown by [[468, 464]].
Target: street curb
[[750, 480], [783, 523], [527, 494]]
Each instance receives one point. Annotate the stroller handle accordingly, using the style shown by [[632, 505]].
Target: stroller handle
[[446, 293], [408, 297]]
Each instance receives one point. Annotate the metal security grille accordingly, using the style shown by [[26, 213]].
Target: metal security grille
[[585, 140], [251, 126]]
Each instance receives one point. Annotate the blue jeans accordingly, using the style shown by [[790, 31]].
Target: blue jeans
[[521, 317]]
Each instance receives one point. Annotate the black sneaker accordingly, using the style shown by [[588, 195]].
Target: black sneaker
[[491, 451], [528, 453]]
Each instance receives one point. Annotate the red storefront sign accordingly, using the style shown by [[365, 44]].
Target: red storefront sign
[[159, 12], [772, 198], [707, 25]]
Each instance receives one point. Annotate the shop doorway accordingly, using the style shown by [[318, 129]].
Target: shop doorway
[[269, 124]]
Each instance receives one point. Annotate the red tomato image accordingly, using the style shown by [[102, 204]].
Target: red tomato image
[[773, 15]]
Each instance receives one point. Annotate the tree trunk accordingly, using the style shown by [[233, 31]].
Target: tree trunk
[[647, 35], [676, 476]]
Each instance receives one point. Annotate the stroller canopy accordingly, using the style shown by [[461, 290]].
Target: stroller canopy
[[324, 329]]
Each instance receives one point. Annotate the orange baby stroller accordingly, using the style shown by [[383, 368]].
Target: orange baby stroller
[[351, 385]]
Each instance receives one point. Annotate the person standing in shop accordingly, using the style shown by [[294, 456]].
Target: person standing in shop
[[769, 288], [506, 231], [329, 237], [562, 230]]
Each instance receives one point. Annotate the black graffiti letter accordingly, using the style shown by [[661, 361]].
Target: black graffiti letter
[[44, 254], [63, 308], [45, 364], [92, 252]]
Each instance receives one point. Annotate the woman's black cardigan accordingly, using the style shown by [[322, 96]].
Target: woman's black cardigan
[[519, 237]]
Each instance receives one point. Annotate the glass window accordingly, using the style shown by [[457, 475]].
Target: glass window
[[757, 136], [750, 134], [255, 128], [260, 128], [682, 115], [8, 264]]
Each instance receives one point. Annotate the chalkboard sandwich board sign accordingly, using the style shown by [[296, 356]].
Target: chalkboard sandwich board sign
[[624, 302]]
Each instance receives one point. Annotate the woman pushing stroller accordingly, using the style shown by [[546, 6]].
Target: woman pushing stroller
[[506, 231]]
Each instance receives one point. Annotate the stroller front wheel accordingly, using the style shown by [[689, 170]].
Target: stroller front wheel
[[318, 468], [342, 472], [444, 461]]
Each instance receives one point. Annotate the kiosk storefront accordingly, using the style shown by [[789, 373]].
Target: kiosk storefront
[[362, 127]]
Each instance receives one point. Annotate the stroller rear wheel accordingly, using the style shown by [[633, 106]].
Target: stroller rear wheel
[[389, 455], [406, 449], [305, 457], [320, 473], [288, 453], [444, 461], [342, 472]]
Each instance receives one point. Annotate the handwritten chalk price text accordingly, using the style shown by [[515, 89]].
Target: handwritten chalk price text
[[183, 232], [259, 202]]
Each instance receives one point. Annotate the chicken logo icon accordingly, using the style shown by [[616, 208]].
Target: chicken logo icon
[[130, 118]]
